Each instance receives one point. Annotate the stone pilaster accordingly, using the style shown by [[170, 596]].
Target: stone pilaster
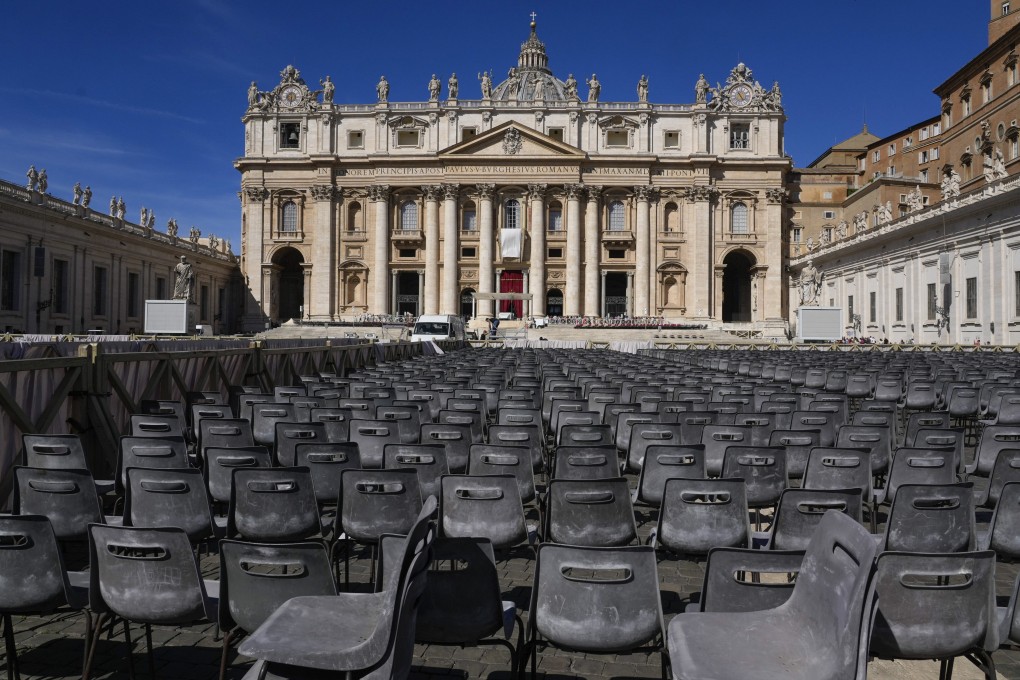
[[451, 251], [592, 248], [380, 195], [641, 243], [257, 305], [536, 196], [486, 247], [572, 294], [322, 293], [431, 283]]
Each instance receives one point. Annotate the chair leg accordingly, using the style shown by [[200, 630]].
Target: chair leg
[[227, 637], [88, 640], [90, 654], [148, 649], [12, 650], [130, 650]]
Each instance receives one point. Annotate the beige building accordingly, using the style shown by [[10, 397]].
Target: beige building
[[529, 185], [67, 268], [929, 247]]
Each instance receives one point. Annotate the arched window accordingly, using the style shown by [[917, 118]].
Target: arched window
[[738, 218], [616, 221], [409, 216], [289, 222], [354, 217], [512, 214], [672, 218]]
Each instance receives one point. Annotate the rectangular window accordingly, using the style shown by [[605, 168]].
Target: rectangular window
[[408, 252], [876, 156], [617, 254], [922, 156], [936, 129], [923, 134], [892, 170], [160, 288], [827, 195], [829, 214], [617, 138], [408, 138], [872, 306], [133, 295], [671, 139], [356, 139], [972, 306], [61, 283], [924, 175], [203, 303], [555, 253], [899, 304], [798, 233], [934, 153], [10, 286], [892, 149], [966, 106], [468, 252], [556, 133], [470, 221], [933, 301], [468, 133], [986, 92], [907, 142], [740, 136], [290, 135], [555, 220], [99, 290]]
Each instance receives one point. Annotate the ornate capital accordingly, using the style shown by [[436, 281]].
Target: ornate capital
[[573, 190], [776, 195], [642, 192], [484, 190], [593, 191], [324, 192], [379, 192], [536, 191], [432, 191], [702, 193], [451, 192], [256, 194]]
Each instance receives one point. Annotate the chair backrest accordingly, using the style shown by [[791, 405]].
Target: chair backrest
[[521, 435], [161, 497], [54, 451], [456, 438], [1006, 470], [145, 575], [798, 445], [876, 438], [264, 419], [377, 502], [919, 466], [800, 511], [428, 460], [408, 421], [273, 505], [586, 462], [596, 599], [823, 421], [67, 498], [474, 420], [493, 459], [256, 578], [337, 422], [645, 435], [594, 512], [372, 436], [164, 407], [700, 514], [30, 554], [203, 411], [994, 438], [487, 506], [839, 468], [150, 452], [925, 420], [932, 518], [762, 468], [170, 425], [717, 438], [743, 580], [221, 463], [244, 401], [942, 438], [289, 435], [578, 434], [1004, 532], [224, 433], [662, 463], [326, 462], [934, 605]]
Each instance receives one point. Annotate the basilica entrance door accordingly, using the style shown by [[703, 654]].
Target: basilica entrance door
[[407, 293], [291, 282], [511, 282], [737, 287], [554, 302], [616, 294]]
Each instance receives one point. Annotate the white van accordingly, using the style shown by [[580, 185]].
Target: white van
[[438, 327]]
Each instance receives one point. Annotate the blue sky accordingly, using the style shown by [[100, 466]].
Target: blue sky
[[143, 99]]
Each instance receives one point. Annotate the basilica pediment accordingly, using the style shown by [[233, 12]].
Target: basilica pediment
[[513, 140]]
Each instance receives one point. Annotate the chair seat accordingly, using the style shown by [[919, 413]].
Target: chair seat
[[776, 645], [326, 633], [105, 486]]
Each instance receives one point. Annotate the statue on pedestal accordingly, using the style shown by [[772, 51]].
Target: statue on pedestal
[[171, 227], [143, 218], [328, 90], [86, 197], [185, 277], [999, 165], [810, 283], [539, 83], [513, 82], [486, 84], [452, 87], [253, 95], [434, 87], [382, 90], [121, 208], [884, 212], [43, 181], [570, 87], [77, 194], [842, 228], [113, 206], [33, 178], [594, 89], [642, 90], [701, 90]]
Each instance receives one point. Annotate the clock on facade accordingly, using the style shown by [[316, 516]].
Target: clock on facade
[[290, 96], [740, 96]]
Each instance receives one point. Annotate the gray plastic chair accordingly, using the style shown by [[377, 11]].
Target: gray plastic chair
[[336, 420], [716, 439], [994, 438], [931, 518], [289, 435], [221, 463], [916, 466], [798, 445], [320, 633], [372, 437], [326, 462], [223, 433], [256, 578], [876, 438], [67, 498], [161, 497], [491, 459], [521, 435], [586, 462], [815, 635], [596, 601], [149, 452], [662, 463], [60, 452], [273, 505], [30, 554], [428, 460], [408, 421], [207, 411], [594, 513], [742, 580], [1006, 469], [157, 425], [700, 514], [645, 435], [148, 576], [483, 507], [1003, 534], [264, 419], [456, 438], [763, 470], [936, 606], [800, 511]]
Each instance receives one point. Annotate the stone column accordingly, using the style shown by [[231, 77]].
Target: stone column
[[307, 270], [630, 294], [641, 242], [321, 296], [697, 228], [602, 308], [451, 254], [430, 294], [394, 288], [717, 294], [536, 195], [525, 307], [592, 248], [771, 291], [257, 304], [486, 246], [380, 195], [572, 294], [421, 285]]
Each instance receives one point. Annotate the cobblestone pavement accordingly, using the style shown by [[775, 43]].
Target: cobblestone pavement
[[52, 647]]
